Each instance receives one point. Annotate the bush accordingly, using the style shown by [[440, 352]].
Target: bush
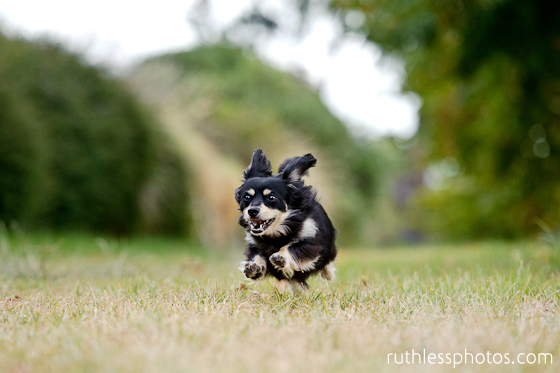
[[77, 148], [23, 175]]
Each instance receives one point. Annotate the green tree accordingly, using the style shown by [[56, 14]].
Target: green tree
[[488, 72], [23, 174], [76, 148]]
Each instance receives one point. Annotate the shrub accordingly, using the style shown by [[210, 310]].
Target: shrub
[[80, 149]]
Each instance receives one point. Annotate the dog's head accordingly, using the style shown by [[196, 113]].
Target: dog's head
[[267, 201]]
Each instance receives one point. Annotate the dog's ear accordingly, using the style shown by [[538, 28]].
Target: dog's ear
[[293, 169], [259, 167], [286, 162], [238, 195]]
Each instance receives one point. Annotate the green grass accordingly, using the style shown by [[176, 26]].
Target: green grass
[[80, 303]]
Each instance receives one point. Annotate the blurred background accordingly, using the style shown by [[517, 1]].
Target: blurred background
[[431, 120]]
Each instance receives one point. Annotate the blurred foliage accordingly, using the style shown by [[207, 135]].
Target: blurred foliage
[[76, 150], [239, 104], [488, 72], [255, 100], [23, 172]]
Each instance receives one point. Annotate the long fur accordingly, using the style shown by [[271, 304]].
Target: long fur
[[289, 235]]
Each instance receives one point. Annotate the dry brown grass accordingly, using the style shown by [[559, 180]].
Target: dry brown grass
[[123, 307]]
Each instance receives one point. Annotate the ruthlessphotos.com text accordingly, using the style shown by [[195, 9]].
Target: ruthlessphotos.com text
[[455, 359]]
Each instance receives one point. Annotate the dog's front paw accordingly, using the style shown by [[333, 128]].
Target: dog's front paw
[[253, 271], [278, 261]]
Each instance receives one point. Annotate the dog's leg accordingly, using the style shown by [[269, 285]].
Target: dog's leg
[[290, 286], [254, 269], [284, 261], [283, 287], [328, 273], [287, 261]]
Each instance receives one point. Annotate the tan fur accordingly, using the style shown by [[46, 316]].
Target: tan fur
[[288, 287], [328, 273], [276, 228], [258, 260], [292, 264], [307, 265]]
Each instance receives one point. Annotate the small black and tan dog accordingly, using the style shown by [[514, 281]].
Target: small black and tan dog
[[288, 233]]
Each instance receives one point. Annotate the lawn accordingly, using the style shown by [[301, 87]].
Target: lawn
[[78, 303]]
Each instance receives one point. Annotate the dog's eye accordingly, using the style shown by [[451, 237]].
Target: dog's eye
[[247, 197], [271, 197]]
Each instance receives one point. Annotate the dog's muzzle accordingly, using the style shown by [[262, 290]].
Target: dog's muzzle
[[259, 226]]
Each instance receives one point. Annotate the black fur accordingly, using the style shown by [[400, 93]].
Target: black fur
[[300, 221], [259, 167]]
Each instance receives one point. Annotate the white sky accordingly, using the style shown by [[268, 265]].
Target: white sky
[[354, 83]]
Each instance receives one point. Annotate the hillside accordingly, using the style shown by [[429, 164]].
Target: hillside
[[220, 103]]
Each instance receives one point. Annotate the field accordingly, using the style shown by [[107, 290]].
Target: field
[[78, 303]]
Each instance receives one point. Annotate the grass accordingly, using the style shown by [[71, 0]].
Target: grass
[[78, 303]]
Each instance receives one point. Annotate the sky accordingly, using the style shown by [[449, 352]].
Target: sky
[[356, 83]]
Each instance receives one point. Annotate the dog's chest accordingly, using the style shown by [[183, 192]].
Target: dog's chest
[[269, 246]]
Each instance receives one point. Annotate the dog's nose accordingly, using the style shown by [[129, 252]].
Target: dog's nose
[[253, 212]]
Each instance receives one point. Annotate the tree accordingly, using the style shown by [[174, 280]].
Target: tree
[[488, 72], [78, 151]]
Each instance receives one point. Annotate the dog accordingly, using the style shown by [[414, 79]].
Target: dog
[[289, 235]]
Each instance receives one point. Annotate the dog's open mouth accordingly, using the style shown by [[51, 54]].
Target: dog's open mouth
[[259, 226]]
